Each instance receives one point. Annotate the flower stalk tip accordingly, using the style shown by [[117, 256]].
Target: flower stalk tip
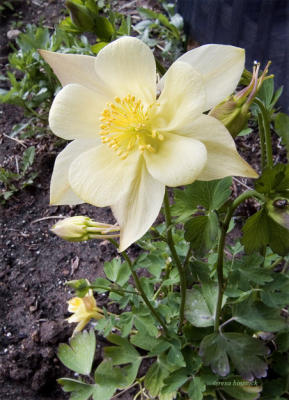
[[82, 228], [233, 112]]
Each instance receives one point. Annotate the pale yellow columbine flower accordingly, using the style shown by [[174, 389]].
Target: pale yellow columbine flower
[[133, 136], [84, 309]]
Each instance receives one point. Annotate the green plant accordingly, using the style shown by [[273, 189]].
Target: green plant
[[162, 31], [85, 16], [38, 85], [197, 311], [13, 182]]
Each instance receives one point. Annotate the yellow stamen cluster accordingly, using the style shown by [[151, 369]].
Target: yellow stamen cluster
[[125, 126]]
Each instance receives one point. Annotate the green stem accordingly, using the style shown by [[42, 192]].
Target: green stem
[[140, 289], [284, 269], [262, 142], [267, 133], [109, 289], [275, 263], [175, 257], [33, 112], [221, 246], [187, 259]]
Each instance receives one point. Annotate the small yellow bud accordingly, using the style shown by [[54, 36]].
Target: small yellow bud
[[84, 309], [81, 228]]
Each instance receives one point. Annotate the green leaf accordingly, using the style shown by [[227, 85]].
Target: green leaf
[[273, 180], [279, 238], [209, 194], [202, 232], [201, 304], [266, 92], [27, 159], [196, 388], [278, 210], [123, 353], [282, 128], [103, 28], [99, 283], [125, 323], [245, 132], [242, 390], [79, 389], [154, 379], [144, 341], [175, 380], [249, 269], [243, 350], [261, 230], [78, 355], [153, 262], [258, 316], [130, 373], [98, 46], [282, 342], [117, 271], [92, 6], [107, 379], [144, 321], [277, 95], [256, 232], [276, 294], [125, 26], [192, 359], [175, 357], [6, 176]]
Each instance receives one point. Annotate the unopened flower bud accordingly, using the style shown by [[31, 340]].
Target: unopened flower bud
[[84, 309], [233, 112], [81, 228], [80, 16]]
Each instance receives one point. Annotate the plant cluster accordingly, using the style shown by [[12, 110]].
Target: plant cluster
[[206, 317], [12, 182]]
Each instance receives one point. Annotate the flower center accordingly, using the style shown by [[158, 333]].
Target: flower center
[[126, 126]]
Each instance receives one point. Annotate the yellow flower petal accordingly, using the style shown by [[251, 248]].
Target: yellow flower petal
[[137, 210], [182, 97], [81, 325], [221, 67], [60, 190], [127, 65], [75, 112], [179, 160], [73, 68], [100, 177], [223, 158]]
